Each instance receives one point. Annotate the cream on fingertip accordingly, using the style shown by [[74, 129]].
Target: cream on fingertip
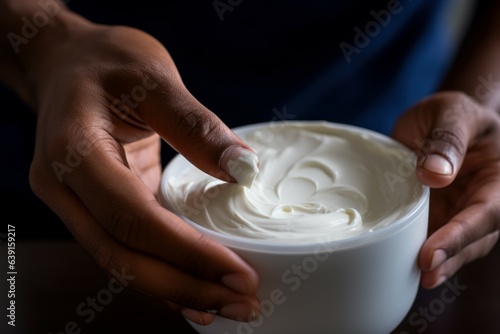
[[240, 163]]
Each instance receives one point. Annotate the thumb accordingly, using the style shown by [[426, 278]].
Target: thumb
[[439, 130], [199, 135]]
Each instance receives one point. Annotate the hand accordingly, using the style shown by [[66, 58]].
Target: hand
[[104, 97], [457, 142]]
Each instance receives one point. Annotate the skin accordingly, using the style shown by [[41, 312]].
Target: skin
[[464, 207], [97, 161], [107, 197], [460, 123]]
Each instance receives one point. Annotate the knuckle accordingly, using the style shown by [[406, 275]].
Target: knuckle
[[199, 127], [190, 297], [461, 237], [127, 227], [494, 215], [36, 179], [106, 258], [42, 174], [481, 228], [449, 141], [196, 260], [490, 242]]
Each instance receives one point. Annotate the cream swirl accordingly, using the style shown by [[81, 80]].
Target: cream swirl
[[316, 181]]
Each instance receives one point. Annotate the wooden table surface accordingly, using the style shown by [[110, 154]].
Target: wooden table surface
[[55, 277]]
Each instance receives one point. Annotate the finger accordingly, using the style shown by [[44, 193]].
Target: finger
[[147, 274], [127, 208], [156, 278], [198, 317], [192, 129], [129, 211], [201, 318], [440, 130], [441, 273], [467, 227]]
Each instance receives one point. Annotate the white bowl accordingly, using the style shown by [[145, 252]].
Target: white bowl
[[362, 284]]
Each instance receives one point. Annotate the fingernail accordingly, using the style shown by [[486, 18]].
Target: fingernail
[[198, 317], [239, 311], [237, 283], [440, 281], [438, 164], [241, 164], [438, 258]]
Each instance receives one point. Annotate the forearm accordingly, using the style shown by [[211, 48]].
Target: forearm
[[476, 70], [28, 27]]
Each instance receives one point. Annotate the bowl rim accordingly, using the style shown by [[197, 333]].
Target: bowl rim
[[281, 247]]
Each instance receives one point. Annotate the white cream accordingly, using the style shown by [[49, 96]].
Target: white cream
[[316, 182], [244, 167]]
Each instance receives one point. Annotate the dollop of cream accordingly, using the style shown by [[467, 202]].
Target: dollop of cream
[[316, 182], [244, 167]]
